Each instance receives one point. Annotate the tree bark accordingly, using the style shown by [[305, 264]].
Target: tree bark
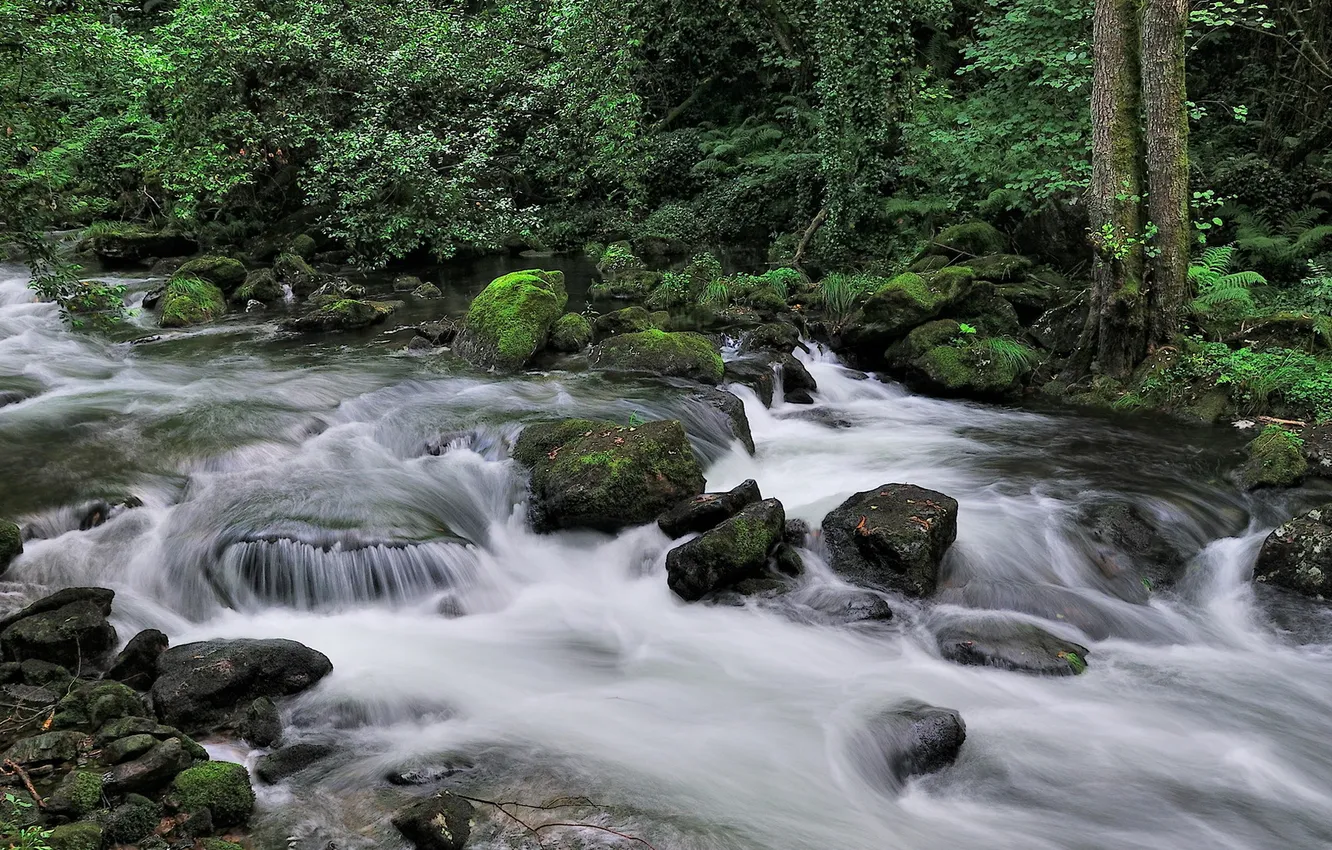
[[1114, 338], [1167, 134]]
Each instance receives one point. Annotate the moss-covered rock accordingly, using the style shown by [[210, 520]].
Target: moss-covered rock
[[1298, 555], [260, 285], [191, 301], [75, 635], [571, 333], [302, 245], [84, 835], [539, 439], [130, 747], [11, 543], [117, 242], [295, 272], [78, 793], [774, 336], [971, 239], [1008, 645], [223, 272], [609, 478], [999, 268], [892, 537], [511, 319], [737, 549], [221, 787], [346, 314], [427, 290], [46, 748], [133, 820], [953, 358], [669, 355], [92, 704], [1275, 459], [626, 321], [903, 303]]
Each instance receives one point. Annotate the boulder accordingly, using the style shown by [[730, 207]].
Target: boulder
[[261, 725], [539, 439], [999, 268], [121, 243], [78, 794], [439, 822], [427, 290], [669, 355], [200, 685], [91, 704], [127, 748], [625, 321], [1128, 550], [1298, 554], [223, 272], [736, 549], [221, 787], [291, 760], [706, 510], [570, 334], [133, 820], [942, 358], [798, 386], [903, 303], [303, 245], [407, 283], [892, 537], [778, 337], [1275, 458], [83, 835], [438, 332], [511, 319], [56, 747], [344, 315], [68, 628], [136, 665], [260, 285], [11, 543], [753, 372], [909, 740], [611, 477], [733, 409], [334, 290], [296, 273], [971, 239], [1008, 645], [191, 301], [151, 771]]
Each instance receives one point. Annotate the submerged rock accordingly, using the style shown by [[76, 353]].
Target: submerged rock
[[892, 537], [681, 354], [706, 510], [1298, 555], [136, 665], [201, 685], [511, 319], [438, 332], [1275, 459], [798, 386], [779, 337], [737, 549], [910, 740], [1129, 551], [439, 822], [610, 477], [191, 301], [571, 333], [291, 760], [1020, 647], [733, 409], [69, 628]]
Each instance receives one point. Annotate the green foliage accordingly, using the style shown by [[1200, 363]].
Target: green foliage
[[1221, 292], [717, 293], [1295, 382], [840, 294], [1284, 246], [1012, 356]]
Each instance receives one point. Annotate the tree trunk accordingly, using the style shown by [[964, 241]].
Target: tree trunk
[[1167, 132], [1114, 339]]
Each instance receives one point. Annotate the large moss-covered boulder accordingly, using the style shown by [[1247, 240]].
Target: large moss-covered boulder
[[1275, 459], [668, 355], [903, 303], [892, 537], [737, 549], [511, 319], [191, 301], [954, 358], [627, 320], [295, 272], [348, 314], [83, 835], [571, 333], [607, 478], [1297, 555], [11, 543], [971, 239], [68, 628], [439, 822], [260, 285], [223, 272], [221, 787], [117, 243], [79, 793]]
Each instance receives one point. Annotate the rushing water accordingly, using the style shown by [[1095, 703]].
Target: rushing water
[[345, 493]]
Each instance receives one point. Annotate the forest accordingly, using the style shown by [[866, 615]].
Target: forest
[[666, 424]]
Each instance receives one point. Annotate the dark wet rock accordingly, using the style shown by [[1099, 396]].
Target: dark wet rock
[[201, 684], [1275, 458], [438, 332], [624, 321], [570, 334], [261, 724], [68, 628], [165, 266], [968, 240], [91, 704], [291, 760], [843, 605], [295, 272], [706, 510], [418, 343], [125, 749], [136, 665], [755, 373], [345, 315], [681, 354], [1298, 555], [132, 243], [223, 272], [79, 793], [1058, 328], [797, 384], [610, 478], [11, 543], [796, 532], [19, 700], [198, 824], [779, 337], [511, 318], [133, 820], [1317, 450], [439, 822], [736, 549], [730, 406], [46, 748], [260, 285], [101, 510], [1020, 647], [44, 674], [825, 416], [427, 290], [909, 740], [788, 560], [892, 537], [221, 787], [539, 439], [1129, 550], [431, 773], [333, 291], [83, 835], [406, 283]]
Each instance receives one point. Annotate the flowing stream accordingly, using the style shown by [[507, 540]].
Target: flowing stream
[[345, 493]]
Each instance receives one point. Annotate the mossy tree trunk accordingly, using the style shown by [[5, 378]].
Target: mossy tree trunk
[[1167, 131]]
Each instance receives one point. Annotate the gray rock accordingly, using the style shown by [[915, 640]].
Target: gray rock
[[136, 665], [1020, 647], [439, 822], [892, 537], [1298, 555], [706, 510], [291, 760], [908, 740], [735, 550]]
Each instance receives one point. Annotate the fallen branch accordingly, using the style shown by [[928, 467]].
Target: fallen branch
[[12, 767], [502, 807], [808, 235], [1276, 421]]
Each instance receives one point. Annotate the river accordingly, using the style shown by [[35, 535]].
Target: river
[[343, 492]]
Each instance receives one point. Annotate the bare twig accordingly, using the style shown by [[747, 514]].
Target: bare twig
[[12, 767], [558, 803]]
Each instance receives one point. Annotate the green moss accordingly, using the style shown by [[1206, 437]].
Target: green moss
[[219, 786], [76, 836], [11, 542], [191, 301], [540, 438], [670, 355], [303, 246], [511, 318], [224, 272], [972, 239], [132, 820], [91, 705], [291, 269], [1075, 662], [570, 333], [218, 844], [78, 794], [999, 267], [912, 286], [259, 285], [1276, 459]]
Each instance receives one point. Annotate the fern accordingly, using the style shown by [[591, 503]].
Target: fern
[[1285, 244], [1221, 292]]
